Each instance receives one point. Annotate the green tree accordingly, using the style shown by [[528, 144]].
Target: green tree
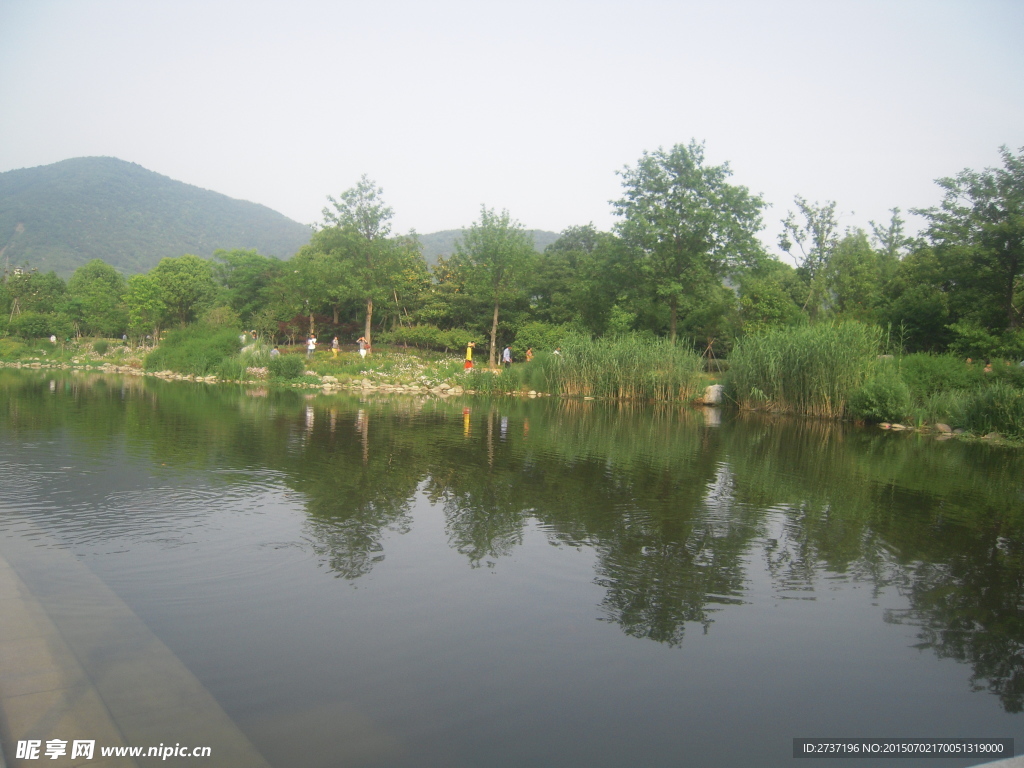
[[816, 240], [146, 309], [186, 286], [979, 229], [854, 278], [96, 291], [35, 291], [495, 252], [361, 210], [770, 296], [245, 277], [687, 224], [578, 279], [917, 300]]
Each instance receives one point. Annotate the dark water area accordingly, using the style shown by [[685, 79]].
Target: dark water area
[[397, 581]]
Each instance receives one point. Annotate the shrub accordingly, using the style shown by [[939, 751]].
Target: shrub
[[927, 374], [100, 347], [883, 397], [37, 325], [286, 366], [971, 340], [195, 349], [428, 337], [539, 336]]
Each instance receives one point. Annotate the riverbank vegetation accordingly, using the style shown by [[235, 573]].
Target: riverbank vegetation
[[681, 282]]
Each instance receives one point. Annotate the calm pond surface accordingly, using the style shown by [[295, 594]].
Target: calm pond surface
[[413, 582]]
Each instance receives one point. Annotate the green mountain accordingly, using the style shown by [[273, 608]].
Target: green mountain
[[58, 217], [443, 243]]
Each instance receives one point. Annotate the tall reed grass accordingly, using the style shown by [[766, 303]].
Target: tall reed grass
[[809, 369], [999, 407], [626, 367], [622, 367]]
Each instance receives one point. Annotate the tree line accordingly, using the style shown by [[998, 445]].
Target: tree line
[[682, 262]]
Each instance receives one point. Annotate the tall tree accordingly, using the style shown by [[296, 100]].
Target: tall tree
[[361, 210], [816, 239], [146, 309], [96, 290], [979, 228], [245, 277], [687, 223], [186, 286], [496, 252]]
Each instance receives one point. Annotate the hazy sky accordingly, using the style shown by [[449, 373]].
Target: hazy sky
[[531, 107]]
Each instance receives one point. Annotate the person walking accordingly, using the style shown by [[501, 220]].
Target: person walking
[[310, 347], [506, 357], [469, 356], [529, 354], [335, 346], [363, 346]]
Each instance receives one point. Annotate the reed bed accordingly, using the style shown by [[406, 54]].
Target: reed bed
[[810, 369], [624, 367]]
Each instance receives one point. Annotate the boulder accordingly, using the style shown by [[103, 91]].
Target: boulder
[[943, 428], [713, 394]]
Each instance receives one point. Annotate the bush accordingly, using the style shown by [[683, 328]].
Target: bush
[[100, 347], [286, 366], [429, 337], [538, 336], [927, 374], [195, 349], [971, 340], [37, 325], [883, 397]]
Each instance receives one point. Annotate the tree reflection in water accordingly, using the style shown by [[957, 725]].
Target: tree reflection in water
[[674, 510]]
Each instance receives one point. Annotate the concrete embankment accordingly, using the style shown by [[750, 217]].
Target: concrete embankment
[[77, 664]]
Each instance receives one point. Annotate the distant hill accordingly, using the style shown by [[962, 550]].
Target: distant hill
[[58, 217], [443, 243]]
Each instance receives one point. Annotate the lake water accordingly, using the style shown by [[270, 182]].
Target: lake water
[[398, 581]]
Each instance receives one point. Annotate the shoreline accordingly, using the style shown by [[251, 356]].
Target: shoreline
[[330, 385]]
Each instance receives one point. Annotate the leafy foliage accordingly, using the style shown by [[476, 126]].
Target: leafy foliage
[[195, 349], [883, 397], [688, 226], [286, 367]]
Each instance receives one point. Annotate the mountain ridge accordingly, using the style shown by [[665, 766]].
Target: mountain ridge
[[61, 216]]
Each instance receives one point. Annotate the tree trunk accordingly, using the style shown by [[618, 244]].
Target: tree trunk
[[494, 336], [1012, 315], [369, 321], [673, 314]]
